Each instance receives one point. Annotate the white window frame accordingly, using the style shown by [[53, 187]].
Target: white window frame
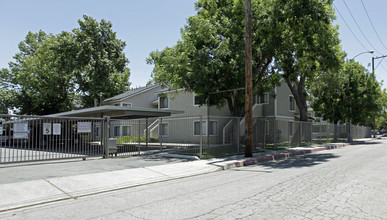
[[114, 131], [257, 99], [126, 103], [130, 130], [194, 100], [291, 104], [160, 102], [160, 126], [204, 127]]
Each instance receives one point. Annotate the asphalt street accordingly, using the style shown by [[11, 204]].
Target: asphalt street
[[20, 172], [345, 183]]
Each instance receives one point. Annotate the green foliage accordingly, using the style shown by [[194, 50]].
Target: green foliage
[[132, 139], [381, 117], [294, 37], [309, 45], [210, 55], [350, 93], [53, 73], [97, 60], [38, 85]]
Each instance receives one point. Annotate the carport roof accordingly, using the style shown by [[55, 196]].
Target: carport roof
[[118, 112]]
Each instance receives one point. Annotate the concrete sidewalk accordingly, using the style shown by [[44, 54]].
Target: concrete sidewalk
[[45, 190]]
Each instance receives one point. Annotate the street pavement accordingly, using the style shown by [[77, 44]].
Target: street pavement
[[33, 184]]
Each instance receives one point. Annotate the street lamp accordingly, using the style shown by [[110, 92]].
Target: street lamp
[[350, 104], [373, 72]]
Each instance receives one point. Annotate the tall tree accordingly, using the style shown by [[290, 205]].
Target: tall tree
[[351, 93], [95, 56], [38, 86], [55, 73], [210, 55], [309, 44]]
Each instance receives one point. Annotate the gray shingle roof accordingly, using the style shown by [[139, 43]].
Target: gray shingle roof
[[130, 93]]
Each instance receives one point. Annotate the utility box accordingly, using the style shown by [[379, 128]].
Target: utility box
[[112, 146]]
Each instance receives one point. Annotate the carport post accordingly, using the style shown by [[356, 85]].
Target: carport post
[[105, 139]]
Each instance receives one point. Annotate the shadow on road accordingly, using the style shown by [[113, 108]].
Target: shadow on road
[[307, 160], [367, 142]]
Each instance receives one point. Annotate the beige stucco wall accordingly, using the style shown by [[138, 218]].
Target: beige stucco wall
[[182, 100]]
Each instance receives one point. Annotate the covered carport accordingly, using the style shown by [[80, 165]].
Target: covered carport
[[109, 113]]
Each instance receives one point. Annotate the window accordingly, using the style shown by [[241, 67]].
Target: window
[[164, 129], [197, 128], [117, 104], [126, 130], [116, 131], [196, 100], [126, 104], [291, 104], [262, 99], [163, 102], [213, 128]]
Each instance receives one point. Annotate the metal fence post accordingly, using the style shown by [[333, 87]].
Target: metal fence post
[[201, 137], [289, 127], [238, 135], [139, 137], [146, 133], [300, 133], [106, 136], [264, 133], [161, 134], [274, 134]]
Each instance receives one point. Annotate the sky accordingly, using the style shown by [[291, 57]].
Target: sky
[[149, 25]]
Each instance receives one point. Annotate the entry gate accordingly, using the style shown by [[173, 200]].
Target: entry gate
[[36, 138]]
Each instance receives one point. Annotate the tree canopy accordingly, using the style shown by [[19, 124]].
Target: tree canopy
[[351, 93], [310, 45], [210, 55], [294, 38], [56, 73]]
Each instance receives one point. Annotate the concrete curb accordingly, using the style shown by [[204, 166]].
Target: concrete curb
[[257, 160], [188, 157]]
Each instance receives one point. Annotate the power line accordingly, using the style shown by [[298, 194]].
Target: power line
[[379, 63], [345, 22], [373, 27], [383, 67], [361, 31]]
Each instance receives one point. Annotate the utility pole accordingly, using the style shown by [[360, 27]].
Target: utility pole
[[248, 87]]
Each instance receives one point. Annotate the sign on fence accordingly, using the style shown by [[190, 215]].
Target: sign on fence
[[56, 129], [84, 127], [46, 128], [20, 130]]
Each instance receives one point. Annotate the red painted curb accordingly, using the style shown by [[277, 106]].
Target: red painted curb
[[283, 155]]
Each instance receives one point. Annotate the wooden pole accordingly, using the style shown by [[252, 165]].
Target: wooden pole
[[249, 89]]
